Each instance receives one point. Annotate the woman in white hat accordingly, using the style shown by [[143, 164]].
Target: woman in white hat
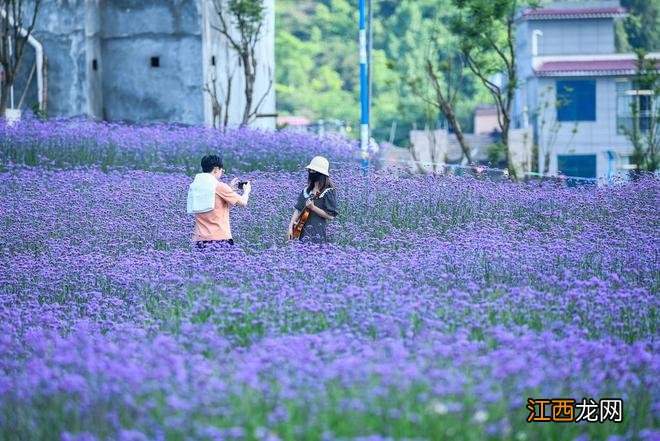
[[318, 199]]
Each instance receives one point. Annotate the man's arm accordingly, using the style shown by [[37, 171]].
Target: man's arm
[[233, 198], [243, 200]]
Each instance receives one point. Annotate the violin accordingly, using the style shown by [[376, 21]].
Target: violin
[[300, 223]]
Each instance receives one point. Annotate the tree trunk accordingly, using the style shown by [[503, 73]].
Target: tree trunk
[[225, 123], [447, 109], [451, 117], [44, 106], [546, 165], [513, 174], [4, 100], [249, 88], [506, 126]]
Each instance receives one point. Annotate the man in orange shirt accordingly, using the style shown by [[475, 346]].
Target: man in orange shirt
[[212, 227]]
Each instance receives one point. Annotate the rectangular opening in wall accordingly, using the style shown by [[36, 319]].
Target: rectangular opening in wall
[[155, 61], [578, 166], [576, 100], [213, 60], [95, 64]]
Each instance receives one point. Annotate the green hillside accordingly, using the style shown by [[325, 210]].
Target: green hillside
[[318, 70]]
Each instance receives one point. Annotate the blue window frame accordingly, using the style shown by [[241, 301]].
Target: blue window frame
[[576, 100], [579, 166]]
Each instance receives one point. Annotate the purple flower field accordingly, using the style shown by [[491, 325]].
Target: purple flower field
[[158, 147], [440, 306]]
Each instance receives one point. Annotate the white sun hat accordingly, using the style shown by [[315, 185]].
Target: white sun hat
[[319, 164]]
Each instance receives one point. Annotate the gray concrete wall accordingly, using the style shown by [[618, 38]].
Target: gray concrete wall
[[119, 37], [133, 32], [24, 69], [60, 29], [93, 59]]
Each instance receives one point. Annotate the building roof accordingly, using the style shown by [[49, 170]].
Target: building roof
[[573, 13], [591, 67]]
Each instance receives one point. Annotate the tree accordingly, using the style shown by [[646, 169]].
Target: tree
[[486, 33], [220, 99], [642, 24], [246, 17], [316, 61], [444, 70], [644, 134], [13, 38], [316, 75]]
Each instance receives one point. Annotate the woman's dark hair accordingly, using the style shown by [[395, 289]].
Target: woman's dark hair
[[324, 181], [209, 162]]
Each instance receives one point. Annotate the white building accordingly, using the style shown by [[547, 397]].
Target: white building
[[575, 89]]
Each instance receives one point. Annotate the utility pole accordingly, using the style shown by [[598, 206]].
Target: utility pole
[[370, 47], [364, 90]]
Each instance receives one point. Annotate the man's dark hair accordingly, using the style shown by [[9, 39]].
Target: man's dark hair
[[209, 162]]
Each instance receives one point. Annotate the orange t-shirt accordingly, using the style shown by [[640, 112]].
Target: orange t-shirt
[[214, 224]]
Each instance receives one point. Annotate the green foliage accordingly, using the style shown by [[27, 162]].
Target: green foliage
[[497, 154], [317, 56], [487, 37], [433, 70], [248, 15], [316, 49], [486, 29], [314, 75], [642, 25], [38, 111]]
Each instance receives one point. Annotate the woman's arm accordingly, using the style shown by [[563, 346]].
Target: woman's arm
[[294, 218], [321, 212]]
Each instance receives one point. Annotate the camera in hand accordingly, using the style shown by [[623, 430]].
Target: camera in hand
[[241, 184]]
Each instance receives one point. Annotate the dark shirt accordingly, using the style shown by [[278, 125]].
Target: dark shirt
[[315, 227]]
